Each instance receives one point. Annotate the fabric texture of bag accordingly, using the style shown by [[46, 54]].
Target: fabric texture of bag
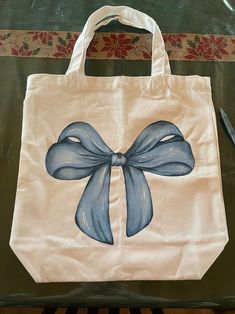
[[119, 177]]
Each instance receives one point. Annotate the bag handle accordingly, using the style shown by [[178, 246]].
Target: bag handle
[[127, 16]]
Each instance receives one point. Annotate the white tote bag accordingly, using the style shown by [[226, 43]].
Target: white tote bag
[[119, 177]]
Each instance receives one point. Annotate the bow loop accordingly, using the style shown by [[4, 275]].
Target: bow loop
[[167, 152], [151, 136], [71, 161], [88, 137]]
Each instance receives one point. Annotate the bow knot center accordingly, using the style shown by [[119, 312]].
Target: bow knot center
[[118, 159]]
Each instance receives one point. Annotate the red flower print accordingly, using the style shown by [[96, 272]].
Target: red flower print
[[21, 52], [147, 55], [199, 53], [24, 51], [207, 48], [174, 39], [73, 39], [233, 41], [92, 47], [216, 45], [117, 45], [44, 37], [64, 51]]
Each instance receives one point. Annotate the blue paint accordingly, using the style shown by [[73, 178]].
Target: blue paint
[[80, 152]]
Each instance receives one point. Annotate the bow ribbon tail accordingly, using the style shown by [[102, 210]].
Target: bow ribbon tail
[[139, 200], [92, 215]]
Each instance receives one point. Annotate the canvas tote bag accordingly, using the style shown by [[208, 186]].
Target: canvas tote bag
[[119, 177]]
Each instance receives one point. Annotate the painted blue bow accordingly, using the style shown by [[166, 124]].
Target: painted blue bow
[[80, 152]]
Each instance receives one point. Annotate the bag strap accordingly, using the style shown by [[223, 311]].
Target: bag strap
[[127, 16]]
